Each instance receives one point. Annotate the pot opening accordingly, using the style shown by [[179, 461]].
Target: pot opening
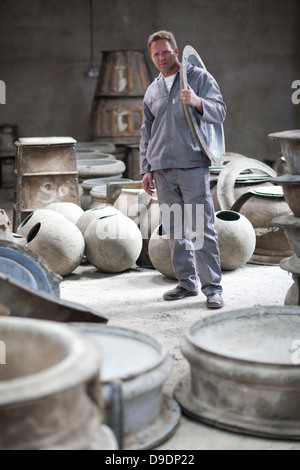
[[26, 220], [161, 231], [33, 232], [228, 215]]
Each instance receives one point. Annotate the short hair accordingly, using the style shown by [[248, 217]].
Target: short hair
[[162, 35]]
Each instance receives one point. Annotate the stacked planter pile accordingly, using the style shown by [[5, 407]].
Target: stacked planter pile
[[290, 147]]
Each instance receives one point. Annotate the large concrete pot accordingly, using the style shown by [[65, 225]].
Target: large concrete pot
[[245, 374], [160, 254], [236, 237], [71, 211], [113, 243], [56, 239], [49, 386], [105, 147]]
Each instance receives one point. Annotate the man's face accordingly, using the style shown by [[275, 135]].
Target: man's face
[[164, 57]]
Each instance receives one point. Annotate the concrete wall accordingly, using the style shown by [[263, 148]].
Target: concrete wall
[[252, 47]]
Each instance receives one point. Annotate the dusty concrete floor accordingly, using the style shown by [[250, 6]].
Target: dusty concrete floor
[[134, 300]]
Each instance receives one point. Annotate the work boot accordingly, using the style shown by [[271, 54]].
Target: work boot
[[179, 293], [214, 301]]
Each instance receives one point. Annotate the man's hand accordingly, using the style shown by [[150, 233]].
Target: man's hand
[[148, 183], [189, 97]]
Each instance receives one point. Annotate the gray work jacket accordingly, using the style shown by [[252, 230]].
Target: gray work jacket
[[166, 138]]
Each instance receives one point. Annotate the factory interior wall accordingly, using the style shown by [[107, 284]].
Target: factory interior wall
[[250, 46]]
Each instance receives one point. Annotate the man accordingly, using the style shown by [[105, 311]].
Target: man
[[170, 156]]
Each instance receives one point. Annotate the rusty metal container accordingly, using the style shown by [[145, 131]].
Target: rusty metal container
[[45, 172], [117, 109], [244, 374]]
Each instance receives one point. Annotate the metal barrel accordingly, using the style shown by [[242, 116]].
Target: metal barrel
[[45, 172], [117, 108]]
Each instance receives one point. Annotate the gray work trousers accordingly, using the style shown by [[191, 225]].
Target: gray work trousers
[[192, 260]]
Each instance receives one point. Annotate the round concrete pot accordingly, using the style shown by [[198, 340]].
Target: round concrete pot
[[71, 211], [160, 254], [93, 214], [290, 147], [113, 243], [100, 168], [49, 385], [236, 237], [88, 185], [56, 239], [133, 372]]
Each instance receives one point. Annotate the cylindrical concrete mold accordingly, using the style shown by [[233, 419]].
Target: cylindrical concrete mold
[[117, 109], [244, 374], [133, 371], [46, 172], [49, 386]]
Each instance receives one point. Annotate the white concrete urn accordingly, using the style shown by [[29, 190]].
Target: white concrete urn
[[237, 239], [54, 238], [88, 216], [113, 243], [71, 211]]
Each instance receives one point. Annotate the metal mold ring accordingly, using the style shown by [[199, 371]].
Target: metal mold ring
[[216, 148]]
